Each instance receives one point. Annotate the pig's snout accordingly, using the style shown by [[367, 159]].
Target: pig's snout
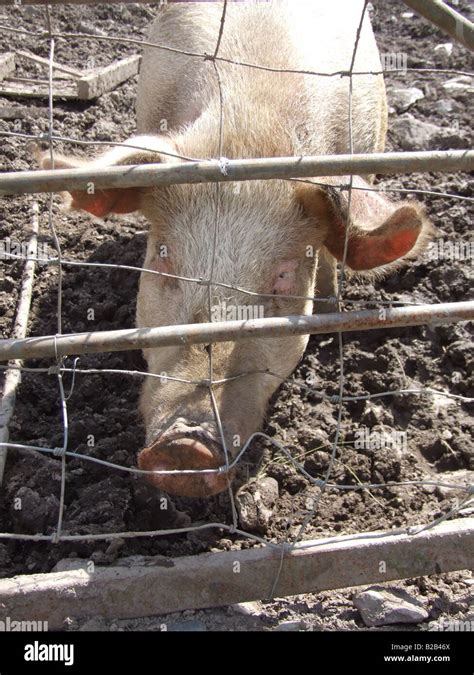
[[179, 450]]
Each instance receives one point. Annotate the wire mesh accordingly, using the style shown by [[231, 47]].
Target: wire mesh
[[63, 452]]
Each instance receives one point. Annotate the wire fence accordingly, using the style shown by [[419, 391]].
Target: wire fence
[[338, 302]]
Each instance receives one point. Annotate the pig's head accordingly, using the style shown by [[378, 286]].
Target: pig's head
[[267, 239]]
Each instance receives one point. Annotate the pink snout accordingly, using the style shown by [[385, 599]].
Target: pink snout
[[185, 454]]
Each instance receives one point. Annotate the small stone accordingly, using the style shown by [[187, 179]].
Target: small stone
[[459, 87], [383, 606], [402, 99], [445, 50], [443, 106], [246, 608], [255, 502], [69, 564], [413, 134], [374, 413], [456, 377], [90, 29], [459, 477]]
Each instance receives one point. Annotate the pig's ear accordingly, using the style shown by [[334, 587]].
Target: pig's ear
[[138, 150], [380, 232]]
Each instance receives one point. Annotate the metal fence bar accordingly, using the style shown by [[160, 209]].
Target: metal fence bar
[[208, 580], [225, 331], [382, 188], [143, 175], [447, 19]]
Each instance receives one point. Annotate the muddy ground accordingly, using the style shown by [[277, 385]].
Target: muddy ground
[[99, 500]]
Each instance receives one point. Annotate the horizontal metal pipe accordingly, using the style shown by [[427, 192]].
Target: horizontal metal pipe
[[447, 19], [227, 331], [234, 170], [208, 580]]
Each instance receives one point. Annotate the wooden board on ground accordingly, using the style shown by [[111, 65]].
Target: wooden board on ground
[[18, 88], [82, 85], [62, 68], [105, 79]]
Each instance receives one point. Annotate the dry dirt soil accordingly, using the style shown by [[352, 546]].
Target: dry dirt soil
[[99, 500]]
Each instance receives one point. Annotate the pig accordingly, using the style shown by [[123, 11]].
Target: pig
[[278, 238]]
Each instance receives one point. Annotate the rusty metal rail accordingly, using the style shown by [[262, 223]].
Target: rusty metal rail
[[208, 580], [143, 175], [226, 331]]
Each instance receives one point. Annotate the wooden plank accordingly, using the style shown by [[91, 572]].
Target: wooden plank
[[219, 579], [7, 64], [105, 79], [27, 80], [67, 70], [85, 86], [13, 87]]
